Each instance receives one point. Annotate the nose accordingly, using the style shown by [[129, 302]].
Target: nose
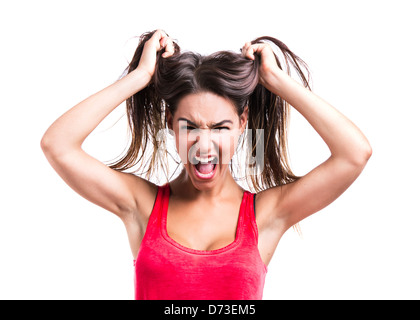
[[204, 144]]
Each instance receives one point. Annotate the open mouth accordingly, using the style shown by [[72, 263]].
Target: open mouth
[[205, 168]]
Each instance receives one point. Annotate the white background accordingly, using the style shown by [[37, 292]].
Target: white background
[[364, 58]]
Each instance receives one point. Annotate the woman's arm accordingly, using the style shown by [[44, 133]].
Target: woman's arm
[[350, 150], [72, 128], [62, 142], [343, 138]]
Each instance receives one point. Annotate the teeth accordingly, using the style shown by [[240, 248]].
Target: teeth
[[204, 160]]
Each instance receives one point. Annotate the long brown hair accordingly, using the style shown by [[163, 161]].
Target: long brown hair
[[224, 73]]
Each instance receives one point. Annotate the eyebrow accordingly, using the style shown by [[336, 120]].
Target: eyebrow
[[212, 125]]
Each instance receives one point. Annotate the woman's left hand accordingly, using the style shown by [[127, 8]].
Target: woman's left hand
[[268, 66]]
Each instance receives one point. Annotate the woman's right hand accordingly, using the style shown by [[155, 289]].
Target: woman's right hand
[[159, 41]]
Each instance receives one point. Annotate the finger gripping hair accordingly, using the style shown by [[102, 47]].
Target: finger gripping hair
[[229, 75], [224, 73]]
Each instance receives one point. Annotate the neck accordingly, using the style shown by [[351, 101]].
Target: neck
[[224, 186]]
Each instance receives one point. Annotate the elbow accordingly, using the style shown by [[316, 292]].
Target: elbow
[[357, 157], [54, 146], [363, 155], [49, 146], [45, 145], [368, 152], [48, 143]]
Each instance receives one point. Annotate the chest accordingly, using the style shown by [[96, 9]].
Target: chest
[[165, 271], [202, 226]]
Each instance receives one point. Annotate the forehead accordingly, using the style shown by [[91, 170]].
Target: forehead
[[206, 107]]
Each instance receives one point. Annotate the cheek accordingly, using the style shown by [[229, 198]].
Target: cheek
[[228, 143], [183, 145], [227, 148], [186, 145]]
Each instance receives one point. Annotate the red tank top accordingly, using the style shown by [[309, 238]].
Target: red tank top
[[167, 270]]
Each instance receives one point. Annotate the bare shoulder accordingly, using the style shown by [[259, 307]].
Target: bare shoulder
[[271, 225], [144, 194]]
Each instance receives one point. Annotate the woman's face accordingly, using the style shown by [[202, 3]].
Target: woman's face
[[206, 128]]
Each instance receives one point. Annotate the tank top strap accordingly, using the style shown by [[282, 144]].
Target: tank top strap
[[162, 198], [154, 223], [166, 191], [250, 224]]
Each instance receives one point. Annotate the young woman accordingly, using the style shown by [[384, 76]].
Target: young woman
[[201, 235]]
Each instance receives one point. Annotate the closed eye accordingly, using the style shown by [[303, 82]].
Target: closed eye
[[187, 128]]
